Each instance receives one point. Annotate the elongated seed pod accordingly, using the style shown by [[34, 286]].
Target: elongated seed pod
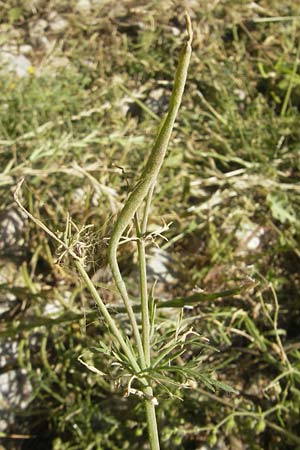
[[149, 174]]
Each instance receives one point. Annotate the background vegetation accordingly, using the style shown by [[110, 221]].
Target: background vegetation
[[78, 125]]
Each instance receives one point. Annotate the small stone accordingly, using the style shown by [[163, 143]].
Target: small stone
[[15, 392], [57, 23], [159, 266], [39, 27], [34, 5], [59, 61], [9, 385], [158, 101], [78, 196], [240, 94], [37, 33], [249, 235], [25, 49], [83, 6], [12, 225], [175, 31], [21, 65], [7, 299]]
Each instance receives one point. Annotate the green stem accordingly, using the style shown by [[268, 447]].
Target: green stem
[[149, 406], [107, 317], [143, 278], [151, 421], [144, 301]]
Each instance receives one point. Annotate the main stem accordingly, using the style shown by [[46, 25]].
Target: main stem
[[151, 421], [141, 231], [149, 406]]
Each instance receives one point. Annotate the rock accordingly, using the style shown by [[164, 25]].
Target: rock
[[83, 6], [37, 33], [158, 101], [57, 23], [15, 392], [39, 27], [249, 235], [15, 387], [159, 267], [7, 276], [240, 94], [18, 64], [12, 224], [59, 62], [33, 5], [175, 31], [25, 49], [78, 196]]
